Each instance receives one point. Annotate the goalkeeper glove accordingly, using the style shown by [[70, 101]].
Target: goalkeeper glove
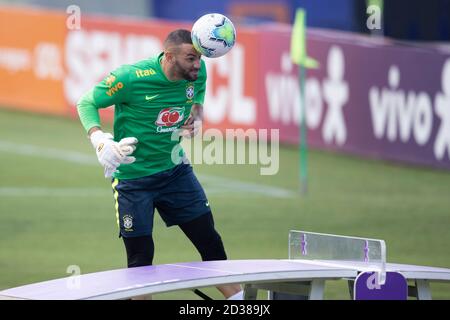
[[112, 154]]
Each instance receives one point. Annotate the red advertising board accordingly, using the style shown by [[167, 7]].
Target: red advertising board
[[32, 60]]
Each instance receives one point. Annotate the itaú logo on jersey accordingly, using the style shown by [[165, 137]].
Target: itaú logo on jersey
[[168, 118]]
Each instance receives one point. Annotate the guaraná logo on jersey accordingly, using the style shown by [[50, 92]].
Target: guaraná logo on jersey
[[168, 118]]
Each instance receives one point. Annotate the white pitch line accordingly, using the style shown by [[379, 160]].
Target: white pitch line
[[248, 187], [56, 191], [219, 184], [48, 153]]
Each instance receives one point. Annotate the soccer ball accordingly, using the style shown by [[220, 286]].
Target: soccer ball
[[213, 35]]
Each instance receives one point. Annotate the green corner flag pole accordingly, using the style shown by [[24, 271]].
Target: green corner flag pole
[[303, 141], [300, 57]]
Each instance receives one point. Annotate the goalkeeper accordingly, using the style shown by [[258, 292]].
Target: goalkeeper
[[154, 100]]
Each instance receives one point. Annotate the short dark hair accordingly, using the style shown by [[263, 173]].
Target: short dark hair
[[178, 37]]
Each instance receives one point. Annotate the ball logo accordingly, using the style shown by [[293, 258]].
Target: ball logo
[[169, 117]]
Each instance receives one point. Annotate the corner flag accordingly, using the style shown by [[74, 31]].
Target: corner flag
[[300, 57], [298, 42]]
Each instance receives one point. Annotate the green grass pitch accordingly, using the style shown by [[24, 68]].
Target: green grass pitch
[[57, 210]]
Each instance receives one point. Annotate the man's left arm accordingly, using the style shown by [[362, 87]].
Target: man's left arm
[[194, 122]]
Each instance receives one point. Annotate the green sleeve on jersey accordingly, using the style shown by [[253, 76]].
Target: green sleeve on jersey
[[200, 94], [87, 111], [113, 89]]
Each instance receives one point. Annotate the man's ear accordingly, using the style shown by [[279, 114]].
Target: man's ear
[[169, 56]]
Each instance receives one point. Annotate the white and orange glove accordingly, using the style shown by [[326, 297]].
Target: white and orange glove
[[110, 153]]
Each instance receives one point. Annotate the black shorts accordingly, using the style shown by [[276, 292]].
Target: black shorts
[[176, 193]]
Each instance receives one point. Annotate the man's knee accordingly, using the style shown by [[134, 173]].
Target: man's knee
[[205, 238], [140, 251]]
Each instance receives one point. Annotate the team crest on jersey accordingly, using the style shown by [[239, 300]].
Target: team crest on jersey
[[168, 118], [127, 222], [190, 91]]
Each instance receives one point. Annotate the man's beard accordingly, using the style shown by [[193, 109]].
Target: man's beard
[[184, 73]]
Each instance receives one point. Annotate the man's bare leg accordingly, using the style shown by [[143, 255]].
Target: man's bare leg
[[229, 290]]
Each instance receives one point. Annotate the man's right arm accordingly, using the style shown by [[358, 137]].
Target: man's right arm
[[88, 112], [112, 90]]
